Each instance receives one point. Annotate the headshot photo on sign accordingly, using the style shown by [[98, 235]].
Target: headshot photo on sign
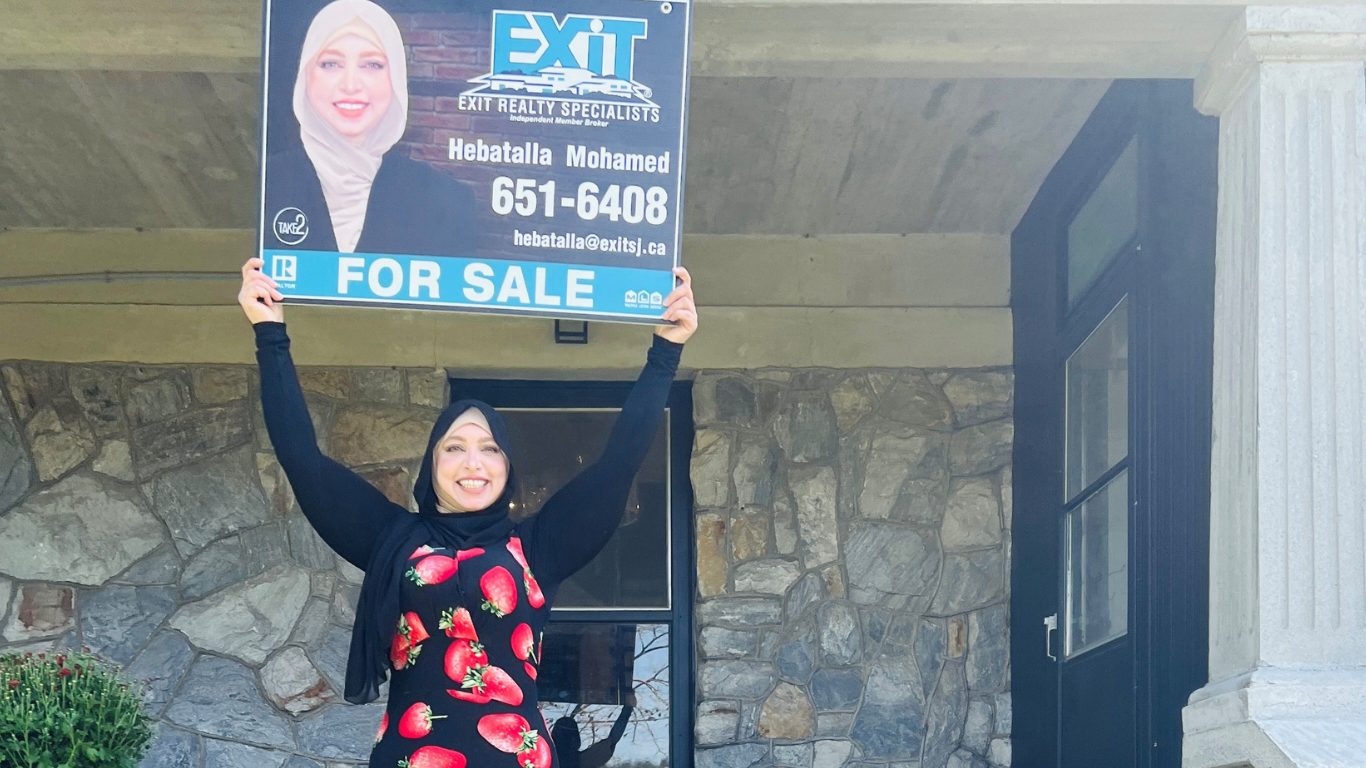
[[346, 185]]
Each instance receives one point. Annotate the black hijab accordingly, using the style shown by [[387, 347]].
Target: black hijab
[[378, 609]]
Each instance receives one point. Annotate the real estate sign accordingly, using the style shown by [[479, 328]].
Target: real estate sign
[[522, 158]]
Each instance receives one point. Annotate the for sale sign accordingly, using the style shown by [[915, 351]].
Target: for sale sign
[[486, 157]]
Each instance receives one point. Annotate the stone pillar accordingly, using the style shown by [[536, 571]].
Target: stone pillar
[[1287, 635]]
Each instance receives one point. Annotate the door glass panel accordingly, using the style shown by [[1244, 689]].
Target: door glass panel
[[1097, 547], [607, 685], [632, 571], [1106, 222], [1098, 402]]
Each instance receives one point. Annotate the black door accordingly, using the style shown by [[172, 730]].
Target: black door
[[1113, 300]]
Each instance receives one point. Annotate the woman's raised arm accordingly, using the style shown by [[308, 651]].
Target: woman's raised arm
[[346, 511], [577, 522]]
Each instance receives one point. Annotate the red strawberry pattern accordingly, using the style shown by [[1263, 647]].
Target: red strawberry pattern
[[480, 672], [536, 757], [512, 733], [462, 656], [523, 643], [458, 624], [515, 547], [433, 569], [509, 733], [494, 683], [534, 597], [406, 644], [500, 686], [470, 696], [500, 591], [434, 757], [417, 721], [398, 651], [413, 626]]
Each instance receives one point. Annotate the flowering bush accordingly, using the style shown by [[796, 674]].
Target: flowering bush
[[69, 711]]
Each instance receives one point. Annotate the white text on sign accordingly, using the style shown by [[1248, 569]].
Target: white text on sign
[[482, 282]]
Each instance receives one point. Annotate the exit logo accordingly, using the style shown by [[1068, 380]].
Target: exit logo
[[574, 57]]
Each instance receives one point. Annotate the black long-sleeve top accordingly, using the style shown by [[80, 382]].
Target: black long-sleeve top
[[469, 663], [349, 512]]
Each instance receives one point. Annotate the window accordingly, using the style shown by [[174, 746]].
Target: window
[[1096, 527], [1097, 552], [603, 677], [1106, 223], [616, 668], [1098, 402], [633, 570]]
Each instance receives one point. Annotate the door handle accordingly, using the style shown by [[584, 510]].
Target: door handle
[[1050, 623]]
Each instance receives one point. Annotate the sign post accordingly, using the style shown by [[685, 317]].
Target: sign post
[[524, 158]]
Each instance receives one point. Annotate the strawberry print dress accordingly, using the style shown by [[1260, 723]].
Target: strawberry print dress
[[467, 646]]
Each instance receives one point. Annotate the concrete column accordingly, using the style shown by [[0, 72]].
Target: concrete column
[[1287, 638]]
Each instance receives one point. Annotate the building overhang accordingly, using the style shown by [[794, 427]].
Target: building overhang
[[796, 38]]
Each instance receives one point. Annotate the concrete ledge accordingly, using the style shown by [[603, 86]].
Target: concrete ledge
[[1278, 718], [141, 35], [200, 267], [731, 338], [917, 270], [33, 252]]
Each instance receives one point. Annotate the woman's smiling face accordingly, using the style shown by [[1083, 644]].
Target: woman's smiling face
[[348, 85], [470, 469]]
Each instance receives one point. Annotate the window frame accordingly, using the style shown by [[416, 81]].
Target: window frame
[[552, 394]]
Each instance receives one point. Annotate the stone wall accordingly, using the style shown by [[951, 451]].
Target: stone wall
[[143, 514], [853, 536]]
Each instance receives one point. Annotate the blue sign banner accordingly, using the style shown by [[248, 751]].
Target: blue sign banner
[[520, 157], [487, 285]]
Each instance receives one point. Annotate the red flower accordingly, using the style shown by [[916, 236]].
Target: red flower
[[64, 672], [13, 684], [61, 661]]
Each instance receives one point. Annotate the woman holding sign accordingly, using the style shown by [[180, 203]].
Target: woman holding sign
[[456, 596], [347, 188]]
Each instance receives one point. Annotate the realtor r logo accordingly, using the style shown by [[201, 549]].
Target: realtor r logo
[[283, 267]]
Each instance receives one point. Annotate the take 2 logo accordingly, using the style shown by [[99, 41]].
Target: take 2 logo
[[290, 226]]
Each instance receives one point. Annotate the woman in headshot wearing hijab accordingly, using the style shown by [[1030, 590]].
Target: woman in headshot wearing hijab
[[358, 192], [455, 597]]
